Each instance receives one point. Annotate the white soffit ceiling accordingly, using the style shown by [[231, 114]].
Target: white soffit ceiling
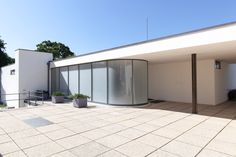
[[221, 51]]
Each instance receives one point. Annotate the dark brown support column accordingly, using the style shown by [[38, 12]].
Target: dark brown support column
[[194, 83]]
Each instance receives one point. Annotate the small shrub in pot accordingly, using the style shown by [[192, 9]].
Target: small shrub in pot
[[80, 100], [58, 97]]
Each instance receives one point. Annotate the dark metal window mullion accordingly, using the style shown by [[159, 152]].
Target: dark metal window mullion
[[78, 79], [132, 81], [107, 82], [68, 79], [59, 76], [51, 83]]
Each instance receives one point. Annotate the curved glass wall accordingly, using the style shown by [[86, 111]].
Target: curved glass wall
[[140, 89], [115, 82], [120, 82]]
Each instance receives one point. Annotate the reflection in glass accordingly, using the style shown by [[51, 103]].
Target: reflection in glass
[[100, 82], [54, 80], [120, 82], [123, 81], [140, 82], [64, 80], [73, 79], [85, 79]]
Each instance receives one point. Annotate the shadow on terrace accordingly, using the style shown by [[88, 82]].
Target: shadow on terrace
[[224, 110]]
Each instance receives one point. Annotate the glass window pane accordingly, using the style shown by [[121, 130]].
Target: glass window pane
[[54, 80], [64, 80], [120, 82], [73, 80], [100, 82], [85, 79], [140, 82]]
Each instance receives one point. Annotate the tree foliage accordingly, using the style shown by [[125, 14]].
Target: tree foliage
[[4, 58], [58, 49]]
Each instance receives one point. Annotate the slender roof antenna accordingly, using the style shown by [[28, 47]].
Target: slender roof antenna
[[147, 27]]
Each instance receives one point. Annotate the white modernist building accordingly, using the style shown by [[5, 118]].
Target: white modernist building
[[29, 73], [193, 67]]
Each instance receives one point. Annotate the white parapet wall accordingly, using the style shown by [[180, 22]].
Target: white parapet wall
[[172, 82], [9, 85]]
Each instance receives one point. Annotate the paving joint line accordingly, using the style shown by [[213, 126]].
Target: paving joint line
[[121, 130], [215, 137], [114, 133], [15, 144], [55, 141], [187, 131], [148, 132]]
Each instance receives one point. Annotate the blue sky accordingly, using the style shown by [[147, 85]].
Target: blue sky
[[91, 25]]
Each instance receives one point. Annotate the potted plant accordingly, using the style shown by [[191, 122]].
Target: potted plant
[[2, 106], [79, 100], [58, 97]]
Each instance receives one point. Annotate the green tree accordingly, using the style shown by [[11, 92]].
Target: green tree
[[4, 58], [58, 49]]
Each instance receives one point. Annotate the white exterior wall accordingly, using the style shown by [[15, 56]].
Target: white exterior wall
[[221, 83], [33, 70], [9, 84], [31, 73], [172, 82]]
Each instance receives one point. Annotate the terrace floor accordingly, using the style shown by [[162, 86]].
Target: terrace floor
[[163, 129]]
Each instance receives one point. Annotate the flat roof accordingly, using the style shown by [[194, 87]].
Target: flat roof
[[152, 40], [20, 49]]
